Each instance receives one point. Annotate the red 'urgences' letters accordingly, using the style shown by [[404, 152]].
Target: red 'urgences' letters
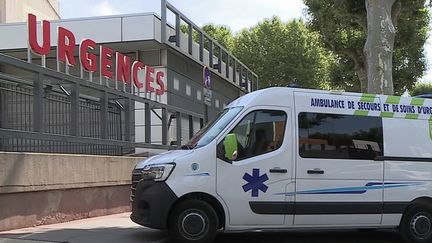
[[124, 71], [136, 66], [65, 46], [149, 78], [32, 35], [88, 60], [159, 81], [106, 62], [123, 68]]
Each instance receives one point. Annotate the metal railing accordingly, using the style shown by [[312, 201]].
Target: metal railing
[[42, 110], [218, 56]]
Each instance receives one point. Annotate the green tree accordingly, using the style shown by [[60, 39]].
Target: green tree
[[284, 53], [222, 34], [421, 88], [343, 28]]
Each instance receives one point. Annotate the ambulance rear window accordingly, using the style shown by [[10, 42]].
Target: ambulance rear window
[[336, 136]]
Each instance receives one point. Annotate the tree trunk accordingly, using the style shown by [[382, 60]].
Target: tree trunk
[[378, 49], [362, 76]]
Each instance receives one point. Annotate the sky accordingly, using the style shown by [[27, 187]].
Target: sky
[[237, 14]]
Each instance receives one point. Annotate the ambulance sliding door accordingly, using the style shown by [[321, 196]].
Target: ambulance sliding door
[[338, 180]]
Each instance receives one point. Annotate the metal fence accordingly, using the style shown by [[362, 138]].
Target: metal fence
[[42, 110], [17, 113]]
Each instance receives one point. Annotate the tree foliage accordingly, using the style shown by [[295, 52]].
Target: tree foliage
[[342, 25], [327, 51], [221, 33], [421, 88], [284, 53]]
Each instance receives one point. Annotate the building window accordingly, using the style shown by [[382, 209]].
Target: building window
[[176, 84], [335, 136], [199, 95], [260, 132], [188, 90]]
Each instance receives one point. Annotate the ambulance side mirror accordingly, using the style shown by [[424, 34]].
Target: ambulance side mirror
[[230, 146]]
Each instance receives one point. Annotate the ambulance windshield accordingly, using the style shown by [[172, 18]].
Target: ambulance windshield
[[212, 129]]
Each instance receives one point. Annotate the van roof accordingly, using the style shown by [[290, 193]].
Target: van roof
[[275, 95], [385, 105]]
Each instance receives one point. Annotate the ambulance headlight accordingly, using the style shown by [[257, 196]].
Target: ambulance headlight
[[159, 172]]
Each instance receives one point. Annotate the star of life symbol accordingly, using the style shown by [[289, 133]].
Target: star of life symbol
[[255, 182]]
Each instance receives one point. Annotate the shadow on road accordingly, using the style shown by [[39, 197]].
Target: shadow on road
[[144, 235], [362, 236]]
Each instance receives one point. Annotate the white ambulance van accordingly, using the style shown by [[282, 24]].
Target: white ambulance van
[[286, 159]]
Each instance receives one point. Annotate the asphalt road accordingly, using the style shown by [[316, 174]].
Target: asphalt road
[[118, 228]]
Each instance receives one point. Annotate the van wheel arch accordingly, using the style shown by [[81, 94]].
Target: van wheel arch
[[211, 200], [417, 201], [410, 227]]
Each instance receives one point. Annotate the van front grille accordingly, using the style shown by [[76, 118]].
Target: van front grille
[[136, 177]]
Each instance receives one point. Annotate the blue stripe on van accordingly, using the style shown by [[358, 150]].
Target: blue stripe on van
[[353, 190]]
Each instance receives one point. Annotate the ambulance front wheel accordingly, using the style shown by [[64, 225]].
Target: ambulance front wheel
[[194, 221], [416, 224]]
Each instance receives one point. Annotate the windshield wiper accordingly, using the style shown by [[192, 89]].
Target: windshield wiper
[[187, 146]]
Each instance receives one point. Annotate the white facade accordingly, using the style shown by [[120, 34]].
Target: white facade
[[138, 36]]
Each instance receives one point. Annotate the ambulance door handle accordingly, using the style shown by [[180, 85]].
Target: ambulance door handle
[[278, 170], [316, 171]]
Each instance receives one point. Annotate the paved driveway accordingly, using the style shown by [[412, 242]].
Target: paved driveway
[[118, 228]]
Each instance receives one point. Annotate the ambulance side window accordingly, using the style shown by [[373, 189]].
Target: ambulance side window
[[260, 132], [337, 136]]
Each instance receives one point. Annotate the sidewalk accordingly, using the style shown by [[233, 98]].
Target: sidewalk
[[112, 228]]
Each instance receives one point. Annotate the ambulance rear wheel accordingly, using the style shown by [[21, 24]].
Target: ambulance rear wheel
[[194, 221], [416, 225]]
